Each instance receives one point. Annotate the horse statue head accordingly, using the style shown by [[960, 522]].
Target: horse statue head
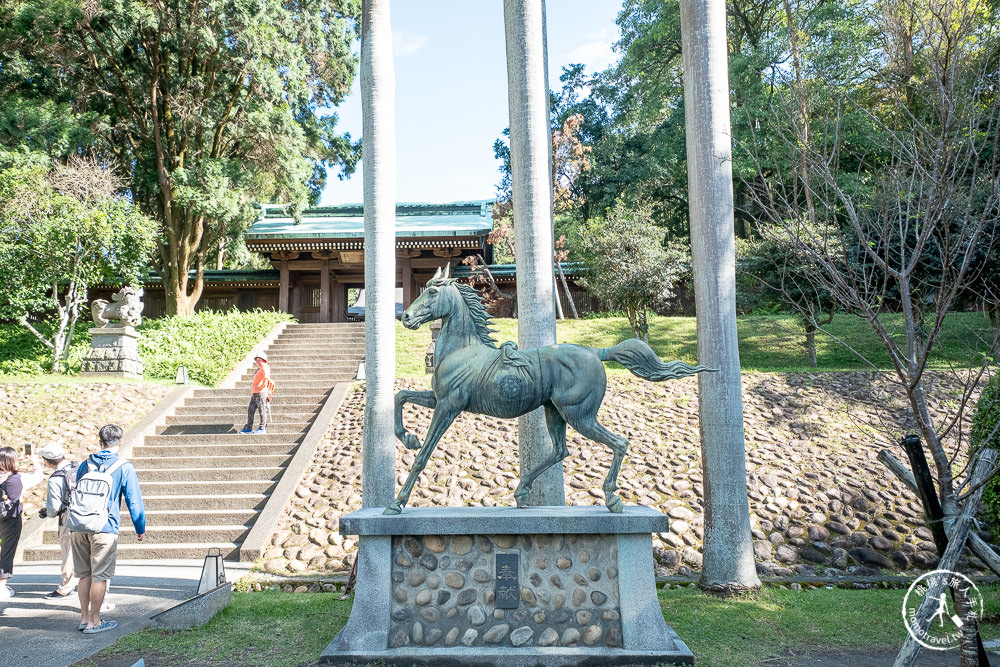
[[445, 297], [433, 302]]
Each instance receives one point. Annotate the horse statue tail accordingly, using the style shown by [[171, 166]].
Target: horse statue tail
[[639, 358]]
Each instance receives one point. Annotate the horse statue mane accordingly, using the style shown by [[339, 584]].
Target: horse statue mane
[[474, 302], [125, 306]]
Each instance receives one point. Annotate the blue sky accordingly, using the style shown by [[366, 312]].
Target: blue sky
[[451, 90]]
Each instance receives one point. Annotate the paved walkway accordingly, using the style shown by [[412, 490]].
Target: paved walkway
[[36, 632]]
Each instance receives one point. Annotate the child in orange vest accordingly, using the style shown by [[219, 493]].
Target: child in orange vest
[[261, 391]]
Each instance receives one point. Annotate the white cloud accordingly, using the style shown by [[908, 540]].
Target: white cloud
[[597, 52], [406, 45]]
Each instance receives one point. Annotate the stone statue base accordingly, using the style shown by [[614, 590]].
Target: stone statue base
[[506, 586], [113, 351]]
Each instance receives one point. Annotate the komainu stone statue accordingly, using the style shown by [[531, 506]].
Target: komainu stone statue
[[473, 374], [125, 306]]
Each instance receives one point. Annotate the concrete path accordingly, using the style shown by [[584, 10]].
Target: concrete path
[[40, 633]]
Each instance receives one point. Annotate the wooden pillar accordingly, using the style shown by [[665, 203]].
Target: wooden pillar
[[406, 275], [339, 300], [283, 287], [324, 287]]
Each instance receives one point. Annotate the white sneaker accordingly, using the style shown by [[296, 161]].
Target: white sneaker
[[6, 592]]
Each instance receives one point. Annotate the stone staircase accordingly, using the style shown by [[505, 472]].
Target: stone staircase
[[204, 483]]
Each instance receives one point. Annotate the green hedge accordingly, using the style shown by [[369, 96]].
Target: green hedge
[[984, 421], [208, 343]]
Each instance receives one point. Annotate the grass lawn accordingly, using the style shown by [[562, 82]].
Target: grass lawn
[[767, 342], [278, 629]]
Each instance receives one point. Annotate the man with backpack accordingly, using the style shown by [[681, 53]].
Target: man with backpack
[[94, 510], [61, 483]]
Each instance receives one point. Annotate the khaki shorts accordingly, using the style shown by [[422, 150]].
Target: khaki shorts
[[94, 555]]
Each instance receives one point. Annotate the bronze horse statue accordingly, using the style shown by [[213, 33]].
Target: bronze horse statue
[[472, 374]]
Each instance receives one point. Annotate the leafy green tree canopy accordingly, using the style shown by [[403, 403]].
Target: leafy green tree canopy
[[206, 105], [63, 230]]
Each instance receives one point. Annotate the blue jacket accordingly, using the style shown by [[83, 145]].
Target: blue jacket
[[125, 483]]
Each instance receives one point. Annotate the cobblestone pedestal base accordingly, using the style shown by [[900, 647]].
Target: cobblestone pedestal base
[[506, 586], [113, 351]]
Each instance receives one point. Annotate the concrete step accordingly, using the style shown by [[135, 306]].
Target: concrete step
[[226, 427], [206, 487], [195, 517], [165, 534], [245, 474], [301, 354], [147, 551], [195, 452], [317, 334], [306, 344], [239, 416], [312, 393], [222, 439], [300, 384], [224, 462], [286, 403], [306, 372], [325, 326], [233, 501]]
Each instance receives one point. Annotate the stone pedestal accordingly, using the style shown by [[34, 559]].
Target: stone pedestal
[[506, 586], [113, 351]]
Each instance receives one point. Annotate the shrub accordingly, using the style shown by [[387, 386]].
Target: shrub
[[985, 432], [21, 353]]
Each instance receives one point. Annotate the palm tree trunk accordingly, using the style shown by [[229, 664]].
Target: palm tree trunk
[[379, 156], [530, 158], [728, 563]]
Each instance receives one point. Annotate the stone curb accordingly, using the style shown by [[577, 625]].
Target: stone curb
[[34, 528], [259, 581], [259, 537], [247, 363]]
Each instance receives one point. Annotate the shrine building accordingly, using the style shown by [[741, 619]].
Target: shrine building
[[318, 262]]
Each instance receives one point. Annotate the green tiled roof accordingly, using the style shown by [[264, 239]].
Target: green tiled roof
[[225, 276], [470, 218], [510, 270]]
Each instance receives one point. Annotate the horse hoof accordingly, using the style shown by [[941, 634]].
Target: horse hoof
[[616, 505], [393, 508], [521, 498], [411, 442]]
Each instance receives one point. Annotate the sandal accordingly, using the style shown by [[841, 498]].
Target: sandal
[[104, 625], [83, 626]]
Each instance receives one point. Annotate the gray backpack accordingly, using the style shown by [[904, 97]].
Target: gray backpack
[[88, 506]]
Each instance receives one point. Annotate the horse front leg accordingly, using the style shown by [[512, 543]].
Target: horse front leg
[[423, 398], [557, 434], [444, 415]]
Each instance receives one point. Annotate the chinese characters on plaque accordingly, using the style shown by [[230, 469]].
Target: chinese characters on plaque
[[508, 592]]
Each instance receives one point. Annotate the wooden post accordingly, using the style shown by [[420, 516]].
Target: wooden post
[[338, 300], [324, 290], [283, 287], [925, 490], [976, 543], [406, 274]]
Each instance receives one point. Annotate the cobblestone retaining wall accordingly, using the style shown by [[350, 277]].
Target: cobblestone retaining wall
[[443, 591]]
